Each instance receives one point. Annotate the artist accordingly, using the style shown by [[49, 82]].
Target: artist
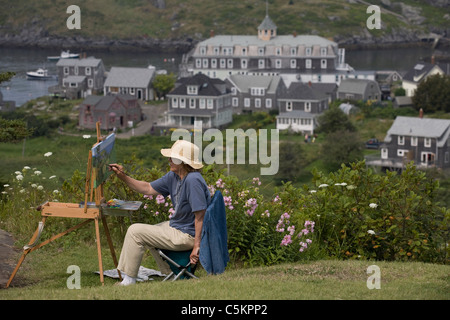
[[190, 197]]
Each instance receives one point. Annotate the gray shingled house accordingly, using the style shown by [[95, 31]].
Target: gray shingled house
[[416, 75], [255, 93], [198, 98], [425, 141], [78, 78], [136, 82], [359, 89], [113, 111]]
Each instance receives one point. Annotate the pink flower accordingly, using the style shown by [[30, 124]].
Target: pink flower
[[286, 240], [160, 199]]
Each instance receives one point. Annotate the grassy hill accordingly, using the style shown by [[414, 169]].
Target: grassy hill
[[181, 19]]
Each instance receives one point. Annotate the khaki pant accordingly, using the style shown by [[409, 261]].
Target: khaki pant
[[140, 237]]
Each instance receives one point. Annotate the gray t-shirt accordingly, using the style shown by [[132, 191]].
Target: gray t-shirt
[[188, 196]]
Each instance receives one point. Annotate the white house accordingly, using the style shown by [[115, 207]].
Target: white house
[[419, 73]]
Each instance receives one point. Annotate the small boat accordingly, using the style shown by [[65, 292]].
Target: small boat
[[39, 74], [64, 55]]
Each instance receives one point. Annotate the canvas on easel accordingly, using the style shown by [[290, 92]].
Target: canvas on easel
[[94, 186]]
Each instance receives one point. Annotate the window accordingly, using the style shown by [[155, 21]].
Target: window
[[247, 102], [278, 64], [192, 103], [214, 63], [427, 142], [401, 140], [66, 70], [202, 103], [258, 103], [88, 71], [308, 51], [260, 51], [323, 63], [414, 141], [384, 153], [192, 89], [288, 106], [402, 153], [202, 51], [222, 63], [205, 63], [268, 103], [233, 91], [182, 103], [261, 64], [244, 63], [323, 51], [230, 64], [90, 83], [293, 51], [198, 63], [308, 63], [210, 103], [235, 102], [278, 51], [216, 50], [308, 106], [293, 63], [244, 51]]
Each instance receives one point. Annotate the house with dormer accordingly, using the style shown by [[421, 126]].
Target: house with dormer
[[79, 78], [305, 58], [198, 98], [416, 75], [253, 93], [426, 141]]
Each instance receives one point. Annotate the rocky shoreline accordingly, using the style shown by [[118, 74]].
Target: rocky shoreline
[[40, 38]]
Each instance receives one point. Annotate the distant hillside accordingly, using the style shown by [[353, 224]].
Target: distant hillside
[[164, 25]]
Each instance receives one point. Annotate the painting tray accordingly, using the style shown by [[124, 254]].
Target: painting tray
[[125, 208]]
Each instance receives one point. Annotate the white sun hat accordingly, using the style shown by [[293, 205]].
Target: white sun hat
[[184, 151]]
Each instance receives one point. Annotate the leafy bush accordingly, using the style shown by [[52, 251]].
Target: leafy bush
[[352, 213]]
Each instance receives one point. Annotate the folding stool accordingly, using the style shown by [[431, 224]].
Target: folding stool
[[179, 263]]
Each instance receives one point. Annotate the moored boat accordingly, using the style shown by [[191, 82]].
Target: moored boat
[[39, 74], [64, 55]]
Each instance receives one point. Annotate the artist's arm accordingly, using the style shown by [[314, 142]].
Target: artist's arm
[[136, 185], [199, 216]]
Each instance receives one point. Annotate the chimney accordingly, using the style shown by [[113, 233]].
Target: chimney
[[433, 60], [421, 113], [211, 34], [309, 84]]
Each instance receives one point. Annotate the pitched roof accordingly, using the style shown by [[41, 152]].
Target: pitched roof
[[103, 103], [419, 127], [267, 24], [206, 86], [129, 77], [419, 71], [244, 82], [87, 62], [355, 85], [302, 91]]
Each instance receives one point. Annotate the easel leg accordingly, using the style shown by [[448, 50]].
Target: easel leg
[[111, 246], [24, 254], [99, 251]]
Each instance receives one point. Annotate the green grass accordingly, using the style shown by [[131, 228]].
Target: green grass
[[44, 275]]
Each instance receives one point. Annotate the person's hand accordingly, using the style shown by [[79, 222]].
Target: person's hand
[[117, 168], [194, 255]]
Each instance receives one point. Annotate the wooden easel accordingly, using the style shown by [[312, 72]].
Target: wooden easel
[[73, 210]]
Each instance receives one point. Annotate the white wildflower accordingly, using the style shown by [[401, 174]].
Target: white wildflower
[[40, 188], [52, 177], [55, 191], [351, 187], [19, 177], [370, 232], [18, 173], [34, 185], [373, 205], [37, 172], [324, 185], [22, 191], [48, 154], [26, 168], [6, 185], [86, 136], [313, 191]]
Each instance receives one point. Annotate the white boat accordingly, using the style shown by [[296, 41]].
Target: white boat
[[64, 55], [39, 74]]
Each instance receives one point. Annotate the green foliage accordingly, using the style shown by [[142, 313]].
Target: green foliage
[[433, 94], [351, 213], [164, 83], [13, 130], [334, 119]]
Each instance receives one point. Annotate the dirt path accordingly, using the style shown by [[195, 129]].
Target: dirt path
[[8, 255]]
